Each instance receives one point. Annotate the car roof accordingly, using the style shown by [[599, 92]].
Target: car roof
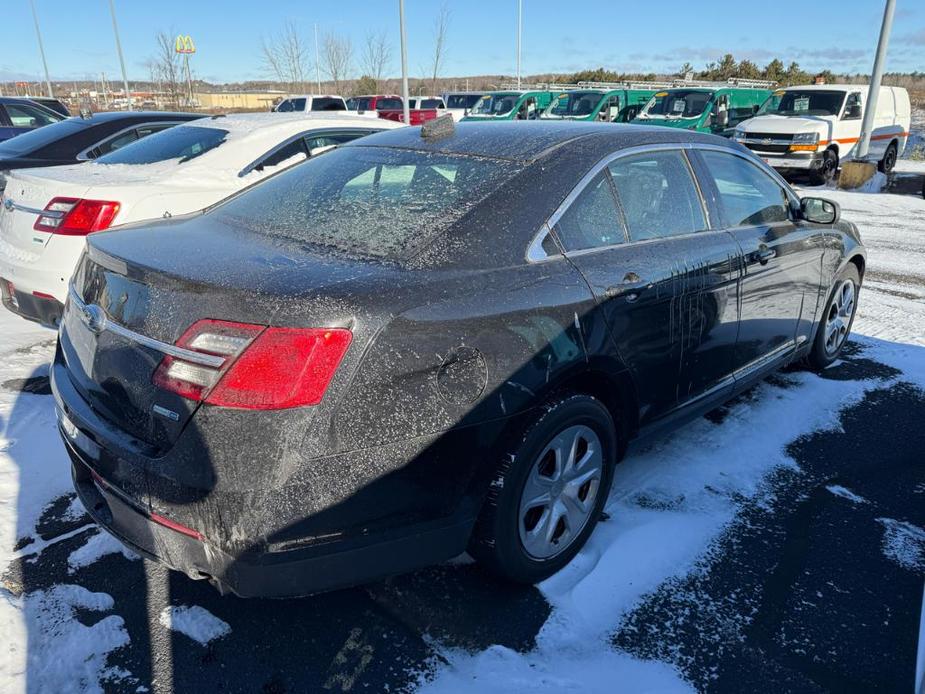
[[829, 87], [106, 116], [528, 141]]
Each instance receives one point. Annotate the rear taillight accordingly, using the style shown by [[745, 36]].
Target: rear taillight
[[76, 217], [261, 368]]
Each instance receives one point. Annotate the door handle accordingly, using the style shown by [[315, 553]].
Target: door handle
[[764, 254], [631, 287]]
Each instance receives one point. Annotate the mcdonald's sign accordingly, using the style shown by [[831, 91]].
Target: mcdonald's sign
[[184, 44]]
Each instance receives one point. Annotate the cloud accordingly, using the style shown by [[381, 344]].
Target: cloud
[[916, 38]]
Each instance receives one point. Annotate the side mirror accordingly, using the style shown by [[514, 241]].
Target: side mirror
[[820, 210], [722, 118], [755, 108], [854, 111]]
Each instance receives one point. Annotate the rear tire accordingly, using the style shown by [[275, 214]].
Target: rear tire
[[549, 492], [837, 319], [886, 164], [826, 172]]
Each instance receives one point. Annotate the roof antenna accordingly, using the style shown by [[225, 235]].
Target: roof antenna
[[438, 128]]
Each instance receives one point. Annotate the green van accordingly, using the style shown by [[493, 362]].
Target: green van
[[510, 105], [605, 105], [706, 109]]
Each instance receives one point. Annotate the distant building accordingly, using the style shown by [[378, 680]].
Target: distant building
[[254, 101]]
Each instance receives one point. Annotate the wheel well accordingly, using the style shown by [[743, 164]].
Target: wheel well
[[617, 394], [833, 148], [858, 261]]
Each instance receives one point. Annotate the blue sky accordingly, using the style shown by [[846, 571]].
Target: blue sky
[[559, 36]]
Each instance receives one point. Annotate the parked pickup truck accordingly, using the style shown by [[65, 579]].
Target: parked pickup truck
[[708, 108], [417, 115], [813, 127], [605, 105]]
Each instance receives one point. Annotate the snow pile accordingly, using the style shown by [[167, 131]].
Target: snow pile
[[98, 546], [61, 653], [875, 184], [845, 493], [904, 543], [194, 621]]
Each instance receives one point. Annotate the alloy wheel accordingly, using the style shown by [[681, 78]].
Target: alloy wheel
[[560, 492], [838, 317]]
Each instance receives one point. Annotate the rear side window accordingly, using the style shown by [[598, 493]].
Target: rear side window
[[592, 220], [326, 104], [113, 143], [42, 137], [658, 195], [747, 195], [183, 142], [368, 201]]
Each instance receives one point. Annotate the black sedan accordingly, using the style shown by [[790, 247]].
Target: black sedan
[[418, 344], [73, 140]]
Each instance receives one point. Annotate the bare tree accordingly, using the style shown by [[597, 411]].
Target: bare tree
[[166, 67], [441, 27], [337, 57], [377, 54], [285, 56]]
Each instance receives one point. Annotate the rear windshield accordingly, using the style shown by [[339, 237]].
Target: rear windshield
[[388, 104], [40, 137], [183, 142], [323, 103], [368, 201], [810, 102], [462, 100]]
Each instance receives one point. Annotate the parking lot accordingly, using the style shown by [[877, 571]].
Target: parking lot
[[776, 544]]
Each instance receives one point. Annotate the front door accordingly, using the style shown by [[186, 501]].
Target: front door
[[782, 259]]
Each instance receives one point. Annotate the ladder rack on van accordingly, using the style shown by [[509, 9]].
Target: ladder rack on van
[[634, 84]]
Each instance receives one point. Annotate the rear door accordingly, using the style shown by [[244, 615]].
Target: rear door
[[639, 234], [782, 257]]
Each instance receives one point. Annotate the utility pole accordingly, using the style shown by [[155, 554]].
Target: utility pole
[[520, 12], [317, 60], [38, 35], [404, 63], [876, 76], [115, 30]]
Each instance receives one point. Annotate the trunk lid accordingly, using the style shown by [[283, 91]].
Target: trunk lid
[[151, 290]]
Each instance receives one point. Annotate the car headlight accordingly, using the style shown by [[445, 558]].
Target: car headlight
[[806, 138], [739, 135]]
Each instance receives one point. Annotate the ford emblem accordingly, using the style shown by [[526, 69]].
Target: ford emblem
[[8, 204], [94, 318]]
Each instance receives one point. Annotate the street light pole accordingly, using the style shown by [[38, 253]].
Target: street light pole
[[404, 64], [115, 30], [876, 76], [520, 11], [38, 35], [317, 61]]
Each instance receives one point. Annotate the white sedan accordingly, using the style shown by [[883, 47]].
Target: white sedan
[[46, 213]]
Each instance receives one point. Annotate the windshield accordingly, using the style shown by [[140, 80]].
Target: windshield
[[574, 104], [809, 102], [327, 103], [183, 142], [677, 103], [462, 100], [495, 104], [33, 140], [368, 201]]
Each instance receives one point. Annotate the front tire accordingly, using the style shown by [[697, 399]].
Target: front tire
[[549, 492], [826, 172], [835, 326]]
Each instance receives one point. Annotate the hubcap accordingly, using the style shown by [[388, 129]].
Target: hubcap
[[839, 316], [560, 492]]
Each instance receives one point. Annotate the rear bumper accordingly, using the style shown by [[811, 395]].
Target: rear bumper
[[110, 481], [44, 310]]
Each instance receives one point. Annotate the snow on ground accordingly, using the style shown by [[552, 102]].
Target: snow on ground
[[194, 621], [845, 493], [904, 543], [98, 546]]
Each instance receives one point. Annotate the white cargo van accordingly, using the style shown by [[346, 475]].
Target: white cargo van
[[814, 127]]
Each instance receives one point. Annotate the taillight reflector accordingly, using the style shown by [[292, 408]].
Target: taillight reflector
[[176, 527], [263, 368], [76, 217]]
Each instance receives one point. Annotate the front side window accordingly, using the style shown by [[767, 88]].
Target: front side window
[[592, 220], [658, 195], [747, 195], [852, 107], [184, 142], [368, 201], [26, 116]]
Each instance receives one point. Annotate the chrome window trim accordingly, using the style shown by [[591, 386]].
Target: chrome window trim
[[303, 135], [83, 155], [162, 347], [685, 147]]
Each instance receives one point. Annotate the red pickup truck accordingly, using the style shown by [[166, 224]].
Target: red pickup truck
[[388, 106], [417, 115]]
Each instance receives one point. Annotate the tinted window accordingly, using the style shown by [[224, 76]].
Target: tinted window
[[462, 100], [658, 195], [431, 103], [388, 104], [41, 137], [678, 103], [26, 116], [184, 142], [747, 194], [368, 201], [323, 103], [332, 139], [574, 104], [592, 220], [293, 149], [114, 143]]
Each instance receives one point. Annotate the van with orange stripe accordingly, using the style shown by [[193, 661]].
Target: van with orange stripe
[[811, 128]]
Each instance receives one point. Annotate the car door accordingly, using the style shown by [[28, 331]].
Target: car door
[[639, 234], [782, 257]]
